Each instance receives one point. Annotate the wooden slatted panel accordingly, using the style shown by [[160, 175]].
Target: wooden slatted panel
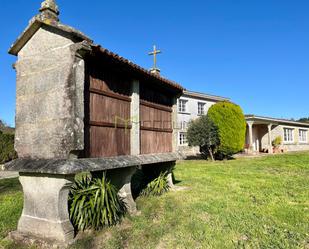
[[155, 142], [156, 128], [108, 109], [108, 113], [109, 141]]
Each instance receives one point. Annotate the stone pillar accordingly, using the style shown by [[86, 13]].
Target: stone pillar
[[270, 146], [135, 120], [174, 125], [250, 123], [121, 178], [45, 213], [170, 176]]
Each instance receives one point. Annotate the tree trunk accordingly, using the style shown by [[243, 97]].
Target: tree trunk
[[211, 154]]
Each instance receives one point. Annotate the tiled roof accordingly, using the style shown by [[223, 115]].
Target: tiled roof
[[136, 67]]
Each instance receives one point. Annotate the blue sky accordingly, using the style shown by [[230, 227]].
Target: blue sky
[[255, 52]]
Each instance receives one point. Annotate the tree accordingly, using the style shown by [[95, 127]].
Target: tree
[[202, 132], [230, 120], [7, 151], [304, 120]]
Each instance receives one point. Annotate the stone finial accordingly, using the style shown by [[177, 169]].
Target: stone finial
[[155, 71], [49, 11]]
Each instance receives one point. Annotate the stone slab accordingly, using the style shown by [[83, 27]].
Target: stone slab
[[74, 166], [7, 174]]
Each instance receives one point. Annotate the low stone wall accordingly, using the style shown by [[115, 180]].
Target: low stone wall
[[295, 147]]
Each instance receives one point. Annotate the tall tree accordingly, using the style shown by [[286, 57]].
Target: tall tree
[[231, 123]]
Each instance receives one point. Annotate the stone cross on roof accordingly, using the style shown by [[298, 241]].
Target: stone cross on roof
[[49, 11], [155, 69]]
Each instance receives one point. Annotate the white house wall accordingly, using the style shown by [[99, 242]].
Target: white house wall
[[191, 113], [260, 135]]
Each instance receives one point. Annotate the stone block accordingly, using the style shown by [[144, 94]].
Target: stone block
[[45, 213], [121, 178]]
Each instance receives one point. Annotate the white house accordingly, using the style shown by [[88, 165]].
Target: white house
[[190, 106]]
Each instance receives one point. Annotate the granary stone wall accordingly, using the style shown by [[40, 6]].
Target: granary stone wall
[[49, 96]]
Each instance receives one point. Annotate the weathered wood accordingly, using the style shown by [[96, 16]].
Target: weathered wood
[[108, 122], [110, 94], [156, 129], [155, 141], [108, 141], [156, 106], [156, 121]]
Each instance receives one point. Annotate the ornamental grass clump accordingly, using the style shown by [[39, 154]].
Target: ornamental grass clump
[[157, 187], [94, 203]]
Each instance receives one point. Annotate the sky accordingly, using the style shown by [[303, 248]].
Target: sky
[[256, 52]]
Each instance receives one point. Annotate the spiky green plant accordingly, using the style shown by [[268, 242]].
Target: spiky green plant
[[158, 186], [94, 203]]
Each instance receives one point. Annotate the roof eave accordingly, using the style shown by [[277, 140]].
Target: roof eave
[[205, 96], [32, 28], [275, 120]]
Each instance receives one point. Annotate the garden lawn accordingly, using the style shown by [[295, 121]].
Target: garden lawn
[[243, 203]]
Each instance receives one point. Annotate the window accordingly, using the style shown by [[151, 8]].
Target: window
[[184, 125], [302, 136], [288, 135], [200, 108], [182, 138], [182, 105]]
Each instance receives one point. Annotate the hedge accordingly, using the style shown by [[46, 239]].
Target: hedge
[[230, 120]]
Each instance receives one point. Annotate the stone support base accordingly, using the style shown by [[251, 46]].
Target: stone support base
[[45, 214], [121, 178]]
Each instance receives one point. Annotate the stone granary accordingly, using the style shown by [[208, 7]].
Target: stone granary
[[80, 107]]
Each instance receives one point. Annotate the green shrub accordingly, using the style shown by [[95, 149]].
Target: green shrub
[[94, 203], [7, 151], [277, 141], [157, 187], [230, 120], [203, 132]]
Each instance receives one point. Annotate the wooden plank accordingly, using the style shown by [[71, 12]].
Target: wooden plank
[[156, 129], [155, 142], [107, 130], [107, 124], [156, 106], [108, 141], [110, 94], [110, 110]]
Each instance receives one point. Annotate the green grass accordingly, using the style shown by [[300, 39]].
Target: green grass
[[11, 203], [243, 203]]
